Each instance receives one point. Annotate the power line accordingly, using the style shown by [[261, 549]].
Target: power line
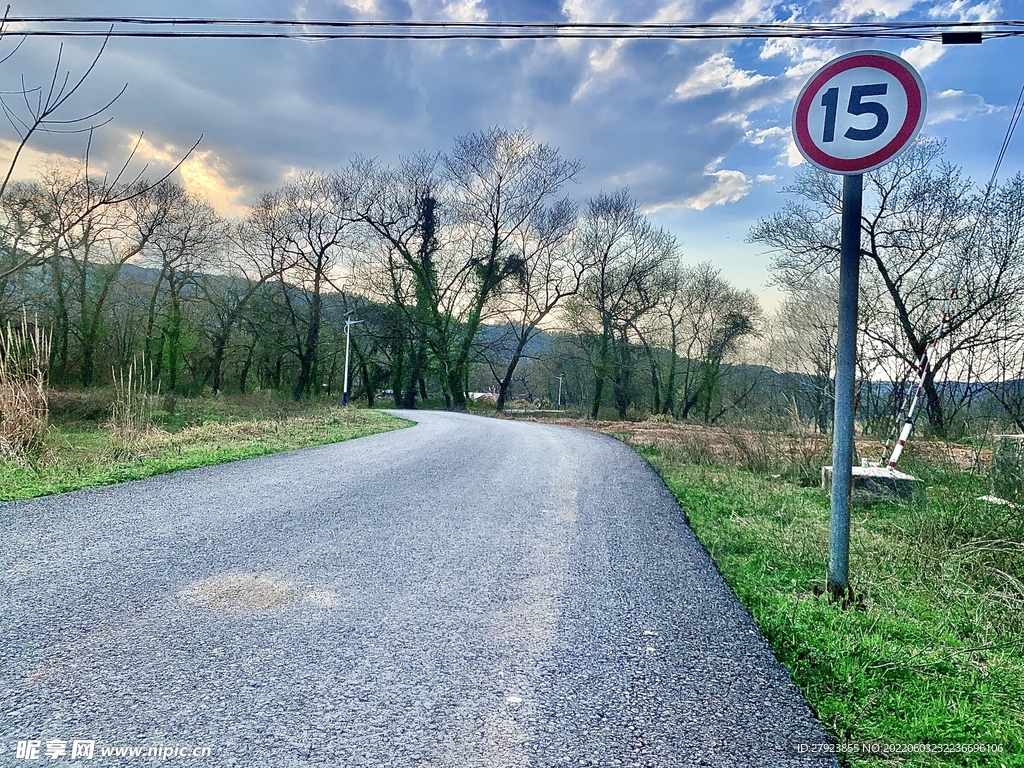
[[330, 29]]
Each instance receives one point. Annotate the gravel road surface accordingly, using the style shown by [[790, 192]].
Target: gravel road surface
[[467, 592]]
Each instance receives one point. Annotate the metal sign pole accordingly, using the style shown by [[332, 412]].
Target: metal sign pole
[[846, 353], [832, 127]]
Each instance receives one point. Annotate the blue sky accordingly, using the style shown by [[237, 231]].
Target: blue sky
[[699, 130]]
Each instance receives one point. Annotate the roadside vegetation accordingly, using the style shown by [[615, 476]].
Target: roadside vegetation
[[930, 650], [87, 442]]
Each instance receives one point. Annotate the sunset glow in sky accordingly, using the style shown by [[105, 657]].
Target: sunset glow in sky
[[698, 130]]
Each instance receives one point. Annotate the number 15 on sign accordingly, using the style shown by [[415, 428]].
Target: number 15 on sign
[[858, 112]]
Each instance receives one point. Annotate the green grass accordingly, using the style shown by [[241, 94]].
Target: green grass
[[81, 452], [931, 652]]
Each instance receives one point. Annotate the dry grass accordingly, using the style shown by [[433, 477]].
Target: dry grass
[[796, 452], [24, 352], [131, 413]]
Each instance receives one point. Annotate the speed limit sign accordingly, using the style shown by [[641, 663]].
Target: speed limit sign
[[855, 114], [858, 112]]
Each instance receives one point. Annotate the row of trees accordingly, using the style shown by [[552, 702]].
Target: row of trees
[[457, 263], [926, 231], [472, 269]]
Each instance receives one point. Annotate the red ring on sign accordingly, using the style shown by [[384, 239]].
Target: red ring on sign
[[906, 132]]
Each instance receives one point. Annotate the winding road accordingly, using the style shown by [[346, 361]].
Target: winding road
[[467, 592]]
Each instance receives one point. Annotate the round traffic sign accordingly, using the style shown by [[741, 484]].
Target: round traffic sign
[[858, 112]]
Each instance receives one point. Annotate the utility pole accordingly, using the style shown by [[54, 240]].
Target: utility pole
[[560, 377], [348, 330]]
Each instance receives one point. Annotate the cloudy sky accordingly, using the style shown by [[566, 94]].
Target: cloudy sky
[[698, 130]]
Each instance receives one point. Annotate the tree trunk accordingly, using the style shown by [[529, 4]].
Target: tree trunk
[[307, 358], [62, 323], [655, 381], [220, 343], [173, 341], [668, 408], [935, 414], [600, 373], [368, 385], [621, 379], [244, 374], [506, 381]]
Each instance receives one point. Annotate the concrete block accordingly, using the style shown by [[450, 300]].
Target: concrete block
[[875, 484]]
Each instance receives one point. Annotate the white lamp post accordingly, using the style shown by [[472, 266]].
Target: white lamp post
[[348, 331]]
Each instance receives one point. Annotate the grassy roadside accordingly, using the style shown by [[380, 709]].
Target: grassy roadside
[[932, 651], [81, 450]]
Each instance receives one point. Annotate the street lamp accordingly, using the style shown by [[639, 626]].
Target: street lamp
[[348, 331]]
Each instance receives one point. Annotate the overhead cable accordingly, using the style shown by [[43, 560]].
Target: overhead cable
[[334, 29]]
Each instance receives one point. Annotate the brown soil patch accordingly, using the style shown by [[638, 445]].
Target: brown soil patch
[[735, 444]]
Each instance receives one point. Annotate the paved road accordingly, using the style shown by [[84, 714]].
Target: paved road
[[468, 592]]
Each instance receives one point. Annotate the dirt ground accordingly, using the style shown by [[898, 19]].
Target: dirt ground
[[742, 446]]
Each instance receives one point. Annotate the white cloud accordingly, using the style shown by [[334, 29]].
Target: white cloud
[[455, 10], [636, 176], [583, 11], [944, 106], [465, 10], [792, 154], [885, 9], [718, 73], [746, 10], [779, 137], [923, 54], [727, 186], [737, 119], [962, 10], [364, 7], [773, 134], [806, 57], [31, 161], [673, 11]]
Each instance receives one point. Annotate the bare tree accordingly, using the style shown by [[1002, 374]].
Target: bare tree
[[919, 217], [239, 271], [552, 271], [92, 245], [455, 227], [627, 255], [47, 109], [504, 187], [304, 228], [400, 262], [715, 318], [186, 244], [658, 333], [807, 325]]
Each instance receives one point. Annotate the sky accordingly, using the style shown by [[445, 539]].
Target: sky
[[698, 130]]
